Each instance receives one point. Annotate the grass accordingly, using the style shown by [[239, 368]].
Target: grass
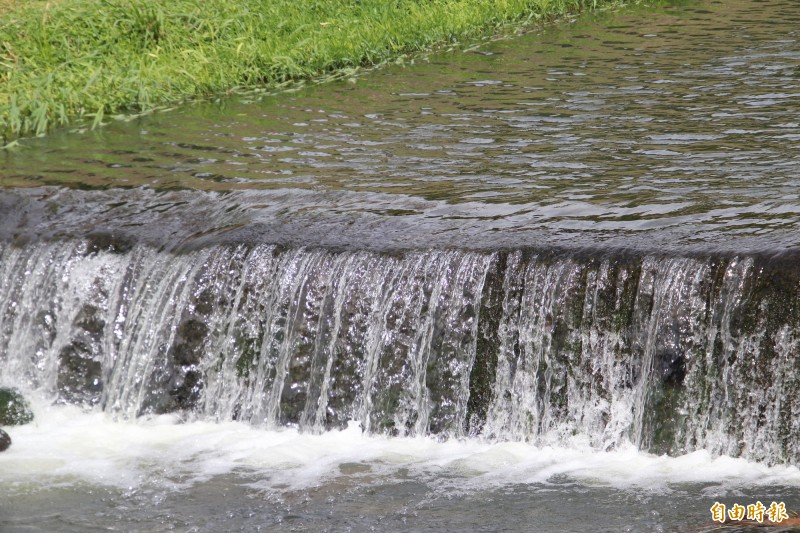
[[80, 61]]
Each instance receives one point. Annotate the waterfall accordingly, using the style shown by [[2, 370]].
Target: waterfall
[[672, 354]]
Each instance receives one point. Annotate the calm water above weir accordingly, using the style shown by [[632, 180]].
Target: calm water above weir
[[675, 126], [547, 284]]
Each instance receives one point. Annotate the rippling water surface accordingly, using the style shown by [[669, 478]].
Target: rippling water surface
[[676, 125]]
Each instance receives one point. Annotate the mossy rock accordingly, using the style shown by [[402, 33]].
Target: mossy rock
[[14, 409], [5, 441]]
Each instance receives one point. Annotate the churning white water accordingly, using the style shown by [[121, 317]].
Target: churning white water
[[67, 447]]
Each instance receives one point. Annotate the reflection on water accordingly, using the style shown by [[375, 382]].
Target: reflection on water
[[678, 124]]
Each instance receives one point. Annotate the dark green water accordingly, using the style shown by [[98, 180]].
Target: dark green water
[[671, 126]]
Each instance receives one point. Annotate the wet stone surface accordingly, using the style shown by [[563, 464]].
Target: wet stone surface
[[5, 441], [14, 408]]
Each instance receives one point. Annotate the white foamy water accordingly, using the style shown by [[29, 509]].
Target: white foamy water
[[65, 446]]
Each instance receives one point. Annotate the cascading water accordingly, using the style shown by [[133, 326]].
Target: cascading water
[[670, 354], [547, 283]]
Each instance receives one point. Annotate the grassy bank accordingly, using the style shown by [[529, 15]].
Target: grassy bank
[[68, 61]]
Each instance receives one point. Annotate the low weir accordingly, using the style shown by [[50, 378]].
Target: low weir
[[545, 283], [672, 354]]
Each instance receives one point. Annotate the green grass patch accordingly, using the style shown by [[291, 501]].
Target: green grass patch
[[80, 61]]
